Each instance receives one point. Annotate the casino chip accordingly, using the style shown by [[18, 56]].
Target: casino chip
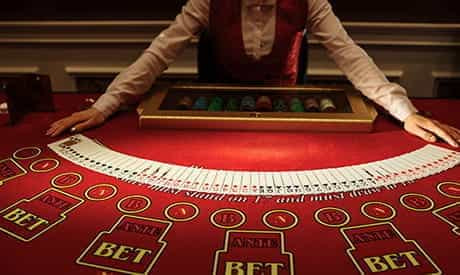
[[201, 103], [264, 104], [295, 105], [311, 105], [185, 103], [232, 104], [248, 104], [217, 104], [279, 105], [327, 105]]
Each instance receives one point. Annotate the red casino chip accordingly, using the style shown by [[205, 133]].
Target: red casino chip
[[181, 211], [280, 219]]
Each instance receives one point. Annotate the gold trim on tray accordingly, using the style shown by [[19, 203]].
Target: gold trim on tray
[[359, 117]]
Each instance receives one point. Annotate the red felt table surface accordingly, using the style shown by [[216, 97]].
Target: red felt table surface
[[193, 246]]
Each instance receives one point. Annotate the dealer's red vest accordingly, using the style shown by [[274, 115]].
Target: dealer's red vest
[[232, 63]]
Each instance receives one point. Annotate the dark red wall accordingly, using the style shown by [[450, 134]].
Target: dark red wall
[[348, 10]]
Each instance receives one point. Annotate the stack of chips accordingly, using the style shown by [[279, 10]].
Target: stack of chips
[[295, 105], [248, 104], [279, 105], [264, 104], [201, 103], [327, 105], [232, 104], [311, 105], [185, 103], [217, 104]]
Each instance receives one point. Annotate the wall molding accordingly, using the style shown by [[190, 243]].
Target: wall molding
[[19, 69], [87, 23], [387, 34], [413, 54], [338, 73], [109, 70], [178, 70], [165, 23], [446, 74]]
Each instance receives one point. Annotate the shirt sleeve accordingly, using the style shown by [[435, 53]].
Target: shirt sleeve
[[135, 80], [359, 68]]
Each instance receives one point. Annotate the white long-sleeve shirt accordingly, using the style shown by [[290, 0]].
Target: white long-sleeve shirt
[[258, 27]]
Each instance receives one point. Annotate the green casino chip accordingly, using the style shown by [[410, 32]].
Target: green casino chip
[[296, 105], [232, 104], [217, 104]]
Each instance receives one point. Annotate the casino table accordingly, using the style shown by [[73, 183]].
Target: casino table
[[57, 217]]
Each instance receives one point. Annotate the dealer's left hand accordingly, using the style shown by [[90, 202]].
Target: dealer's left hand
[[430, 129]]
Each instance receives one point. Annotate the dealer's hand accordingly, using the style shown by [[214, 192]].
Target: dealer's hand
[[429, 129], [77, 122]]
